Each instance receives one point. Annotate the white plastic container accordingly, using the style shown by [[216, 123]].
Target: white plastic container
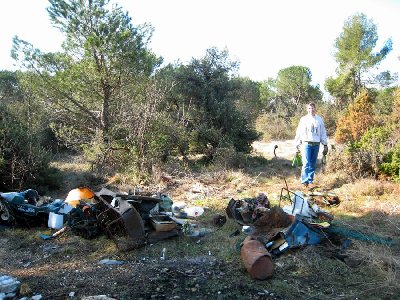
[[55, 221], [193, 211]]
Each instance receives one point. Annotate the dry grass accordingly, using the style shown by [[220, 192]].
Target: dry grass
[[368, 207], [76, 172], [274, 127]]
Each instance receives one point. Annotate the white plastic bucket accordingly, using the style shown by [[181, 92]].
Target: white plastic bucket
[[56, 221]]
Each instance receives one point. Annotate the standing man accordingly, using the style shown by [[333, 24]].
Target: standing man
[[311, 133]]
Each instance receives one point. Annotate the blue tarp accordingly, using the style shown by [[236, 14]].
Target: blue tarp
[[300, 234]]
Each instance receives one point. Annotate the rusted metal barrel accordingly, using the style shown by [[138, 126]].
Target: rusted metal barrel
[[256, 259]]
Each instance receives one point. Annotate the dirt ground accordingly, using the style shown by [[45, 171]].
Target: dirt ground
[[71, 267], [46, 270]]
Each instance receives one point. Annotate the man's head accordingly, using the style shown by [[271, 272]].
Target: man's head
[[311, 108]]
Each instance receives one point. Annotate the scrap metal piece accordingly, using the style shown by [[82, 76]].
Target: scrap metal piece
[[302, 233], [246, 211], [145, 205], [324, 197], [82, 221], [123, 225], [272, 222], [256, 259]]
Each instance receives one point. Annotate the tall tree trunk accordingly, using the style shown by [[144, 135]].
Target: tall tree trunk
[[105, 110]]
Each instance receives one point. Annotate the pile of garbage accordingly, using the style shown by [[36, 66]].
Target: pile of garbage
[[27, 208], [131, 220], [296, 222]]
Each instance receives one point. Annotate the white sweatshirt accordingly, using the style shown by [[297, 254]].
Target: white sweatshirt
[[311, 129]]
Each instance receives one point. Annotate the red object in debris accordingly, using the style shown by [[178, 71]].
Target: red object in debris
[[256, 259], [86, 210]]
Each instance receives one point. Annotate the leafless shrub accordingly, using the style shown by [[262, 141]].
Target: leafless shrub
[[274, 127], [227, 158], [357, 163]]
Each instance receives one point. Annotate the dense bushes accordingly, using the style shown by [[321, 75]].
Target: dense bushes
[[356, 120], [25, 151], [207, 104], [273, 127], [371, 148]]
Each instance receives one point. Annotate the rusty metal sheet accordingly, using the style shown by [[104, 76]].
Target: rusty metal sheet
[[123, 224]]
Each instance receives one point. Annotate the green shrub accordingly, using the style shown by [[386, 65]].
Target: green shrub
[[24, 156], [375, 139], [391, 164]]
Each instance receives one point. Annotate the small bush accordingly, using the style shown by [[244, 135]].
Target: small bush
[[274, 127], [354, 162], [228, 158], [356, 120], [391, 164]]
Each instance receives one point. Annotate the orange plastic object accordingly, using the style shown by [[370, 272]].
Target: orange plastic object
[[256, 259], [76, 195]]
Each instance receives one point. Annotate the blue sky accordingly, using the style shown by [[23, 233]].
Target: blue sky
[[263, 35]]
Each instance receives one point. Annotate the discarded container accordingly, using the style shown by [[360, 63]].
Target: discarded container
[[193, 211], [256, 259], [76, 195], [163, 223], [55, 221]]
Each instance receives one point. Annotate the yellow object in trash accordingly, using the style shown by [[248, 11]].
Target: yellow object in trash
[[297, 162], [76, 195]]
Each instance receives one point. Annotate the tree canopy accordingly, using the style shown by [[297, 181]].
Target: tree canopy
[[204, 95], [290, 90], [101, 79], [356, 56], [103, 56]]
